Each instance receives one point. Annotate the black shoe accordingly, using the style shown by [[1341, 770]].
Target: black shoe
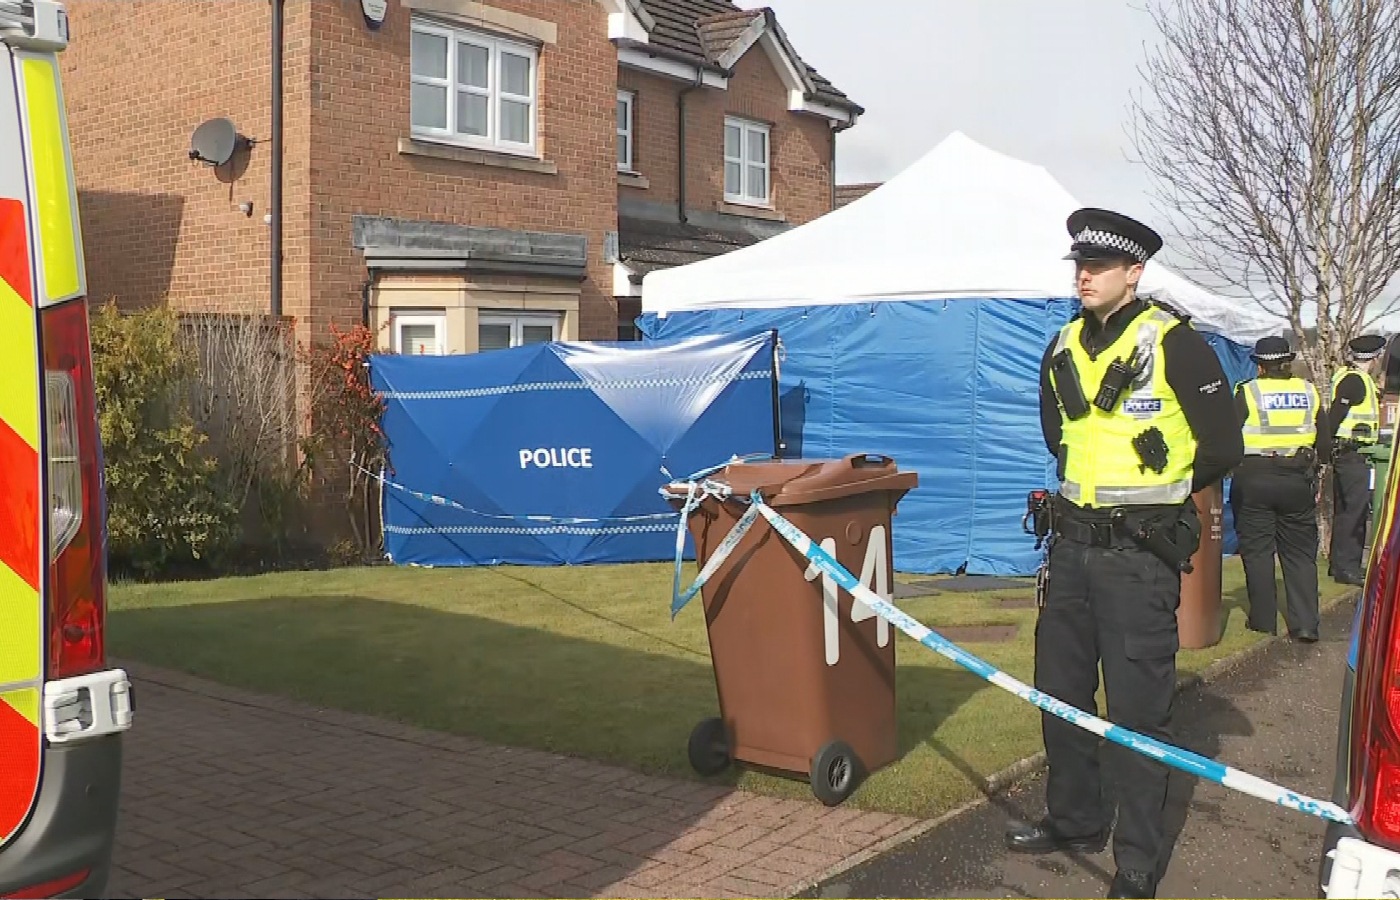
[[1129, 883], [1042, 837], [1304, 635], [1269, 631], [1349, 578]]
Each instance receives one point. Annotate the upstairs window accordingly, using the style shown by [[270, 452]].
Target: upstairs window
[[746, 157], [626, 147], [473, 89]]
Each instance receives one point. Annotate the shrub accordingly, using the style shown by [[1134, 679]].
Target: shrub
[[347, 440], [243, 399], [163, 508]]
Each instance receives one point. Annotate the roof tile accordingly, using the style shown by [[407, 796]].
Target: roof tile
[[679, 28]]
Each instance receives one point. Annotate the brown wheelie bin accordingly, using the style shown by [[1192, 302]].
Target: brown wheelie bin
[[806, 687], [1198, 617]]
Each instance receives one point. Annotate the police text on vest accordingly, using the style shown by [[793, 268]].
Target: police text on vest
[[1290, 400], [1142, 406], [557, 458]]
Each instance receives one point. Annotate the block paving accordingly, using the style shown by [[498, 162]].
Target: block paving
[[228, 793]]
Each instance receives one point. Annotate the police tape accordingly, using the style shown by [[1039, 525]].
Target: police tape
[[1185, 760], [439, 500], [696, 492]]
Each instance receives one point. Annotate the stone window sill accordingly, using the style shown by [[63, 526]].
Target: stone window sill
[[751, 212], [632, 179], [416, 147]]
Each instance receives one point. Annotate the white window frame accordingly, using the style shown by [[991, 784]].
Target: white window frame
[[516, 321], [437, 320], [628, 132], [747, 127], [495, 47]]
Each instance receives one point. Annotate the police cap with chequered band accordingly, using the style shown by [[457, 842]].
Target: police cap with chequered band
[[1273, 348], [1368, 346], [1103, 234]]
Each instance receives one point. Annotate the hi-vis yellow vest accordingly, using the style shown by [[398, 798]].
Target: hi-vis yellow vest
[[1282, 415], [1101, 468], [1367, 412]]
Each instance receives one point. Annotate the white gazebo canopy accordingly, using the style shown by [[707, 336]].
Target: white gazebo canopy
[[963, 221]]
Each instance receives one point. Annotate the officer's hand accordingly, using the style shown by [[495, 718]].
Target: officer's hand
[[1351, 391]]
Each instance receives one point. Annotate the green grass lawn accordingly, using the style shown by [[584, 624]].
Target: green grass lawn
[[583, 661]]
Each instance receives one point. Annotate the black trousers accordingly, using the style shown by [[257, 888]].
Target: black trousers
[[1351, 501], [1275, 509], [1116, 607]]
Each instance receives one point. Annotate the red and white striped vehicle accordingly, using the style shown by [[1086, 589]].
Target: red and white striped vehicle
[[62, 710]]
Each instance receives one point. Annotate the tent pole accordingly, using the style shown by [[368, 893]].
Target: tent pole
[[778, 445]]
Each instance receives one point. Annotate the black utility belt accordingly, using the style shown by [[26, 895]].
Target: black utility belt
[[1172, 534], [1349, 446], [1094, 534], [1304, 458]]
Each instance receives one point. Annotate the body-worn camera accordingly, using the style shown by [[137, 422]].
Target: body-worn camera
[[1067, 386]]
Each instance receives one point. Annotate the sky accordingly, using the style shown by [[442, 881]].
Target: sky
[[1046, 81], [1051, 82]]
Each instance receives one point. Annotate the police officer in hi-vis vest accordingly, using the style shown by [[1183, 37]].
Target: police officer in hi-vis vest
[[1351, 470], [1273, 493], [1135, 406]]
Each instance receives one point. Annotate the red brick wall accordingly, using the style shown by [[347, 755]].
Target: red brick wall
[[360, 110], [159, 225], [655, 133], [800, 154], [139, 77]]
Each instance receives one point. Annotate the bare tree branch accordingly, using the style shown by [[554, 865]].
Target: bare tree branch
[[1272, 128]]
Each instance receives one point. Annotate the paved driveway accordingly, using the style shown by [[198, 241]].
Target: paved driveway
[[232, 794], [1274, 716]]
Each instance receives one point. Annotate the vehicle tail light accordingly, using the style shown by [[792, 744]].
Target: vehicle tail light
[[77, 594], [49, 888]]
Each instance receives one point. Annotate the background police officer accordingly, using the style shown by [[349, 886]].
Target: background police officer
[[1137, 410], [1273, 493], [1351, 473]]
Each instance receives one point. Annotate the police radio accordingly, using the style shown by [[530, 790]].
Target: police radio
[[1120, 374]]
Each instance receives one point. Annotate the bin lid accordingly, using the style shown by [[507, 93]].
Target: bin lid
[[793, 482]]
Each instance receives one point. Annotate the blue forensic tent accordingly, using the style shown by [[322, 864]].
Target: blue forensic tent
[[582, 434], [912, 323]]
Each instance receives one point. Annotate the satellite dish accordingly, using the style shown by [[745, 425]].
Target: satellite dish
[[215, 141]]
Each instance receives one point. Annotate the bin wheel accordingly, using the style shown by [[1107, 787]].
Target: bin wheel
[[709, 747], [836, 771]]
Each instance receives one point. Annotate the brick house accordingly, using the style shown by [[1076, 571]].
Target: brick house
[[850, 193], [463, 175]]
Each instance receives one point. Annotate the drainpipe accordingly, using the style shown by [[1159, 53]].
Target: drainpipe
[[680, 128], [834, 132], [275, 201]]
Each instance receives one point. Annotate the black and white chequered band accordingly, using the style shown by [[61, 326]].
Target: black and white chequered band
[[1109, 239], [1271, 357]]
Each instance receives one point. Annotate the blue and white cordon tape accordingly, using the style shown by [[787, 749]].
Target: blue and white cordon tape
[[699, 486], [1185, 760]]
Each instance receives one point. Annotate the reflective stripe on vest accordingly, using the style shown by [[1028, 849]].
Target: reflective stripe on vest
[[1101, 468], [1366, 413], [1282, 416]]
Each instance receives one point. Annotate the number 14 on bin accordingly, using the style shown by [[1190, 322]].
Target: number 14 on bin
[[874, 576]]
